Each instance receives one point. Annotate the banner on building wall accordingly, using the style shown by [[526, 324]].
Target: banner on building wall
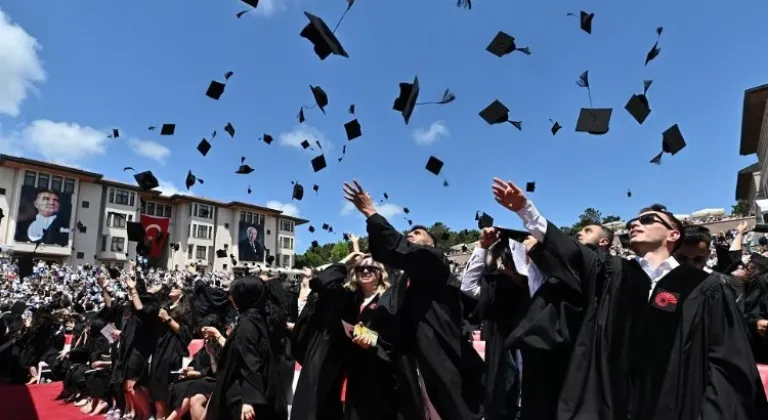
[[155, 234], [250, 245], [43, 216]]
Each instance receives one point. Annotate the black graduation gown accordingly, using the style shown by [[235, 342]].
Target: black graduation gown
[[320, 346], [286, 364], [425, 328], [169, 351], [187, 388], [137, 340], [247, 375], [753, 303]]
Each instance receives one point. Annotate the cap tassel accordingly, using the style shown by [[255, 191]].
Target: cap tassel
[[448, 97], [517, 124], [343, 152], [350, 3]]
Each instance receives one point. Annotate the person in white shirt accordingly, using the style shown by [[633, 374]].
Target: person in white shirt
[[46, 226]]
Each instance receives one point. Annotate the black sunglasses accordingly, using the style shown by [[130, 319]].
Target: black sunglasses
[[648, 219], [368, 268]]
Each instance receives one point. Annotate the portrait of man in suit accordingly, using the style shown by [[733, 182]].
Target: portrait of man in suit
[[45, 220], [250, 248]]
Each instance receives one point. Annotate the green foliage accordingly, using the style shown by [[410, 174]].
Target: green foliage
[[611, 218], [340, 250], [741, 208]]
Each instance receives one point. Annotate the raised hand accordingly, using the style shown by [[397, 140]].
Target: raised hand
[[509, 195], [355, 194], [488, 237]]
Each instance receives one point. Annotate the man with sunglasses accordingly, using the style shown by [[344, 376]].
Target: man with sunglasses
[[660, 340]]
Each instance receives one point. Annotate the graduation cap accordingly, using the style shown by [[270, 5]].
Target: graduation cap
[[216, 88], [555, 127], [315, 244], [191, 180], [316, 188], [230, 129], [585, 20], [353, 129], [322, 38], [270, 259], [435, 165], [513, 234], [318, 163], [203, 147], [655, 50], [409, 94], [165, 129], [115, 134], [221, 253], [672, 142], [298, 191], [483, 220], [325, 226], [629, 193], [244, 169], [80, 226], [249, 189], [146, 180], [594, 120], [345, 236], [637, 106], [266, 138], [135, 232], [497, 113], [252, 3], [530, 187], [305, 144], [503, 44], [311, 229]]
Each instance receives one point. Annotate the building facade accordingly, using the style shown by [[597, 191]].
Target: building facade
[[752, 182], [83, 219]]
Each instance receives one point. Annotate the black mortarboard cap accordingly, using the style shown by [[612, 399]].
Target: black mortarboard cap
[[221, 253], [594, 120], [305, 144], [434, 165], [270, 259], [115, 133], [320, 35], [315, 244], [146, 180], [325, 226], [497, 113], [215, 90], [204, 147], [230, 129], [345, 236], [530, 187], [586, 21], [167, 129], [483, 220], [190, 181], [515, 235], [135, 232], [503, 44], [298, 192], [321, 98], [638, 107], [316, 188], [672, 140], [353, 129], [267, 138], [318, 163], [406, 101], [311, 229], [244, 170], [252, 3]]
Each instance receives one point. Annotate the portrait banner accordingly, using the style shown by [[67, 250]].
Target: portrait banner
[[44, 216], [250, 245]]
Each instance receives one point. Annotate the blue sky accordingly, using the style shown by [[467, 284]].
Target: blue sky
[[105, 64]]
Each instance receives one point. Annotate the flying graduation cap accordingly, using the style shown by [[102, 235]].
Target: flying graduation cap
[[435, 165], [672, 142], [555, 127], [252, 3], [115, 134], [298, 191], [230, 129], [483, 220], [322, 37], [352, 128], [321, 101], [244, 169], [409, 94], [146, 180], [316, 188], [638, 106], [191, 180], [592, 120], [498, 113], [318, 163], [585, 20], [204, 146], [266, 138], [216, 88], [655, 50], [503, 44], [165, 129]]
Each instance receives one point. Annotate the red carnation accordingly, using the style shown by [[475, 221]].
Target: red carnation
[[665, 299]]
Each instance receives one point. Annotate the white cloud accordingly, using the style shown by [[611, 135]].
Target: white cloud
[[149, 149], [305, 132], [387, 210], [432, 134], [59, 142], [167, 188], [289, 209], [20, 67]]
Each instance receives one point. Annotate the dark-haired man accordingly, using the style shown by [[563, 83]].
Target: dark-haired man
[[598, 236], [660, 340], [422, 315], [695, 248]]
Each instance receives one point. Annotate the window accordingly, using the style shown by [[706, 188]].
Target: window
[[42, 181], [132, 200], [286, 242], [189, 230], [242, 216], [201, 231], [2, 191], [151, 209], [167, 212], [86, 204], [56, 183], [200, 254], [80, 255], [226, 246], [249, 218], [104, 239], [69, 185], [286, 225], [121, 197], [225, 266], [30, 178], [116, 220], [201, 210], [286, 261], [210, 231], [118, 244], [190, 250], [226, 225], [111, 195], [130, 217]]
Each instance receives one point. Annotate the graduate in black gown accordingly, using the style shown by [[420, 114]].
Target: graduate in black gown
[[12, 344], [753, 302], [38, 339], [680, 353], [174, 333], [248, 383], [424, 305], [280, 334]]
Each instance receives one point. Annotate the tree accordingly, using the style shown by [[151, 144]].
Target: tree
[[741, 208], [611, 218], [340, 250]]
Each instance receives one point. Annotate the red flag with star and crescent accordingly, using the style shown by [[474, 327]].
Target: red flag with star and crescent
[[155, 234]]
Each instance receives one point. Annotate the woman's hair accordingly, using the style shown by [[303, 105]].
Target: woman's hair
[[383, 283]]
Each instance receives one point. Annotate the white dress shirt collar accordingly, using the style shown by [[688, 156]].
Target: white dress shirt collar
[[656, 274]]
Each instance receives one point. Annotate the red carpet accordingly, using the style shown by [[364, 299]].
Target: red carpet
[[18, 402]]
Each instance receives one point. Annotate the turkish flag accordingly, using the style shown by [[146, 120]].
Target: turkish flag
[[155, 234]]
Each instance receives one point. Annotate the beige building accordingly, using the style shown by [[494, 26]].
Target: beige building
[[751, 182], [89, 215]]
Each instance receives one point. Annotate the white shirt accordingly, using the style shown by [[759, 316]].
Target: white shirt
[[36, 229], [656, 274]]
